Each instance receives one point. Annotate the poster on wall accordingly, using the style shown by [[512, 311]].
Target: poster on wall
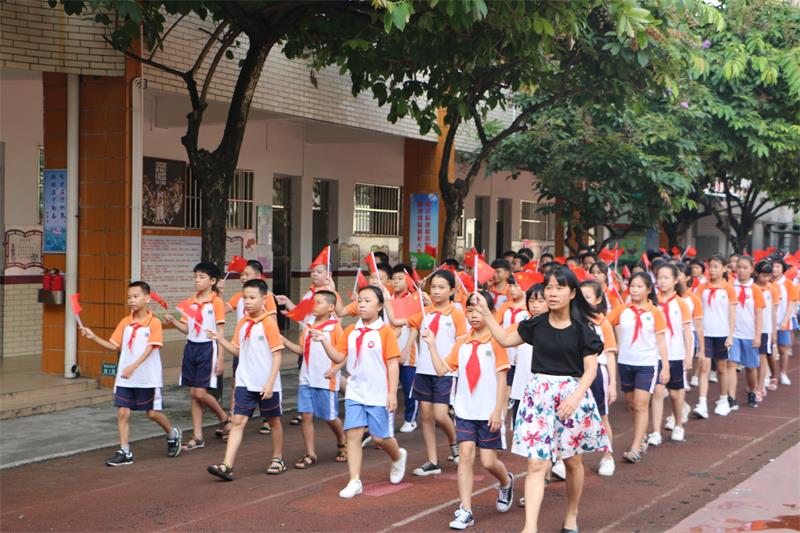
[[423, 242], [164, 182], [167, 263], [23, 250], [55, 212]]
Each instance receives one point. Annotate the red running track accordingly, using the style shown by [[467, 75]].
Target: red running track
[[160, 494]]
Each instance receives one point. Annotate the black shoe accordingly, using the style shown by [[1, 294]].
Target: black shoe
[[565, 530], [453, 453], [733, 404], [120, 459], [751, 399], [427, 469], [174, 444]]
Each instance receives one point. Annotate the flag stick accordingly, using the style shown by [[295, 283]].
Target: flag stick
[[475, 272], [78, 320]]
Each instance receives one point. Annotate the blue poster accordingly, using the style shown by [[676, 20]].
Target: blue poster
[[423, 235], [54, 240]]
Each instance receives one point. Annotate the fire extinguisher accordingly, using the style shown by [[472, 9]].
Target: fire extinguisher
[[58, 281], [47, 281]]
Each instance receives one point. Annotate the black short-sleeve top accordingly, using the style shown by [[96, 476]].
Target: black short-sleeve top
[[559, 352]]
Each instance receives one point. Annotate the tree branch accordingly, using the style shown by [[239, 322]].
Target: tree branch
[[146, 61], [226, 43], [163, 38], [212, 39]]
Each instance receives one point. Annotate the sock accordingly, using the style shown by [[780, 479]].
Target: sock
[[723, 397], [173, 433], [701, 400], [126, 448]]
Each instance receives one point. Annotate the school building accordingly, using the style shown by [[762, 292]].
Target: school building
[[94, 182]]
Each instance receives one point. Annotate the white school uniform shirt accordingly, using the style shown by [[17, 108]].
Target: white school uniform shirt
[[716, 308], [478, 403], [507, 316], [213, 314], [788, 293], [745, 314], [133, 338], [316, 362], [402, 337], [368, 369], [643, 349], [605, 331], [695, 308], [452, 324], [522, 373], [771, 295], [679, 315], [255, 352]]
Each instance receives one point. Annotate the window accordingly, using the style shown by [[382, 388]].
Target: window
[[240, 201], [534, 225], [377, 210]]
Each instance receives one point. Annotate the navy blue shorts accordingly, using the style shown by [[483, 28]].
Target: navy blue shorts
[[198, 364], [510, 375], [137, 399], [715, 347], [433, 389], [478, 431], [676, 377], [766, 345], [637, 377], [599, 389], [245, 403]]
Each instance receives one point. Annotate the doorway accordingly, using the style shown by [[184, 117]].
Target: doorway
[[281, 239]]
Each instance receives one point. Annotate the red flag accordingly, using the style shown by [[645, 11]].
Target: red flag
[[581, 274], [560, 259], [758, 255], [606, 255], [771, 250], [237, 264], [360, 283], [484, 272], [646, 260], [531, 266], [75, 302], [410, 285], [430, 250], [322, 259], [466, 280], [526, 279], [406, 306], [676, 251], [791, 273], [469, 256], [301, 310], [415, 276], [369, 260], [195, 313], [626, 273], [690, 252], [158, 299]]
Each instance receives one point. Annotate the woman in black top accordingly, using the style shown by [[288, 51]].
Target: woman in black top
[[558, 415]]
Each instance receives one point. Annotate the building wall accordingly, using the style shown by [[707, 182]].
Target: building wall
[[21, 328]]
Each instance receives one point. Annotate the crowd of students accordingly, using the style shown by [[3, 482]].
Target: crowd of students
[[539, 350]]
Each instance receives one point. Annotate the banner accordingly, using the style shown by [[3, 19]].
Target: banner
[[423, 235], [55, 212]]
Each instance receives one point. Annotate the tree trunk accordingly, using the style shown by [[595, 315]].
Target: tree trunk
[[453, 206], [213, 180]]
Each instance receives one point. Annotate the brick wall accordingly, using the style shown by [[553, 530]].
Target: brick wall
[[21, 328], [35, 37]]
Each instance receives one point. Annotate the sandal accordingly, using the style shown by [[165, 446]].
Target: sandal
[[632, 456], [276, 466], [306, 462], [341, 454], [296, 420], [222, 431], [265, 428], [193, 444], [222, 471]]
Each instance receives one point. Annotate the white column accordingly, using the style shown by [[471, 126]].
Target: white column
[[137, 140], [71, 285]]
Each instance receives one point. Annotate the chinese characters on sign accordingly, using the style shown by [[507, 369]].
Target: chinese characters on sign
[[55, 212], [424, 229]]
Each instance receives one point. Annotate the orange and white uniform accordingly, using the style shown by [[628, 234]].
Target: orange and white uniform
[[638, 333], [368, 349], [749, 301], [236, 303], [133, 338], [507, 315], [446, 325], [676, 315], [788, 297], [257, 339], [606, 332], [315, 362], [695, 307], [717, 301]]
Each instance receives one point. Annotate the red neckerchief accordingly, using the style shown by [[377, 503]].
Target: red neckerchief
[[665, 308], [742, 295], [712, 293], [473, 367], [514, 313], [638, 327], [135, 326], [307, 343], [359, 340], [434, 325]]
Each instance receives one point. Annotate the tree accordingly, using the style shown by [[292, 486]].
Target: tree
[[552, 51], [697, 207], [246, 31]]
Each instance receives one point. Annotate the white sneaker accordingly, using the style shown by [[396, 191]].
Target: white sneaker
[[398, 470], [785, 379], [352, 489], [607, 466], [408, 427], [686, 411], [559, 470], [505, 496], [694, 382], [766, 380], [669, 423], [701, 410], [677, 434], [712, 377], [723, 408], [463, 519], [654, 439]]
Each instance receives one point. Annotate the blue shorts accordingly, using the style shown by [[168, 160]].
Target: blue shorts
[[376, 418], [138, 399], [676, 375], [715, 347], [322, 403], [510, 375], [599, 389], [198, 364], [742, 352], [785, 337], [633, 377], [766, 345], [245, 403], [433, 389], [478, 431]]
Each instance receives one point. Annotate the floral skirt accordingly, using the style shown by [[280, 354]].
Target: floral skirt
[[540, 434]]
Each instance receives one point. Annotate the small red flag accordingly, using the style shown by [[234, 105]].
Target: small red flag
[[626, 273], [360, 283], [690, 252], [196, 313], [606, 255], [158, 299], [676, 251], [322, 259], [415, 276], [484, 271], [369, 260], [531, 266], [791, 273], [410, 285], [469, 256], [430, 250], [646, 260], [406, 306], [758, 255], [75, 302], [581, 274], [301, 310], [527, 279], [237, 264], [466, 280]]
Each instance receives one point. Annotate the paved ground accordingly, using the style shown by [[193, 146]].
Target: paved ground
[[157, 493]]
